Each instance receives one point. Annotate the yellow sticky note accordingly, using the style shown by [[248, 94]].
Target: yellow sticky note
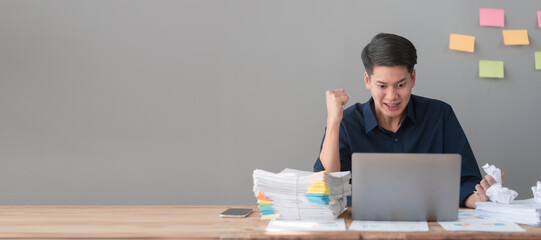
[[515, 37], [325, 190], [270, 217], [461, 42], [490, 69], [538, 60]]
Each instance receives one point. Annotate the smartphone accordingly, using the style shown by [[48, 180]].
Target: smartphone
[[236, 212]]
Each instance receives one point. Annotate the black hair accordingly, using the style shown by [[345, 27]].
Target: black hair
[[388, 49]]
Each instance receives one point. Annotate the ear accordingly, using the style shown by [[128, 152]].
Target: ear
[[366, 80], [413, 78]]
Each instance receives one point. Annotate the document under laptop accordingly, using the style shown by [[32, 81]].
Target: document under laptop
[[405, 186]]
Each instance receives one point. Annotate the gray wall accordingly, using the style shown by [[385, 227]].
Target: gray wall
[[177, 102]]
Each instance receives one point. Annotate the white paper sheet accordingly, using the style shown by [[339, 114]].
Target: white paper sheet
[[466, 213], [303, 225], [468, 222], [525, 211], [389, 226]]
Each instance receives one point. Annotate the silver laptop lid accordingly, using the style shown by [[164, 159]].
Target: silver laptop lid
[[405, 186]]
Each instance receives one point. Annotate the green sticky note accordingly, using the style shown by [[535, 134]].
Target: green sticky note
[[490, 69], [538, 60]]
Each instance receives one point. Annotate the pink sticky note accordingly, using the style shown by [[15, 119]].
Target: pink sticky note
[[539, 19], [492, 17]]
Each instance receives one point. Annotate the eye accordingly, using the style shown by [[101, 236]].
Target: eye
[[401, 85], [381, 86]]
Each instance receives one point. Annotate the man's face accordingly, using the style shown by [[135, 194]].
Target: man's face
[[391, 90]]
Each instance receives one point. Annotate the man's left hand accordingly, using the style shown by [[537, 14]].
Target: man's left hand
[[481, 188]]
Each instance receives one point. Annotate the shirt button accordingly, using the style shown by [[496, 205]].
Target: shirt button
[[396, 140]]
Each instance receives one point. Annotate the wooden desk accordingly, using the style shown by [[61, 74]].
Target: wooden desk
[[193, 222]]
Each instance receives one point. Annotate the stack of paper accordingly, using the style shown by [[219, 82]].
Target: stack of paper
[[300, 195], [519, 211]]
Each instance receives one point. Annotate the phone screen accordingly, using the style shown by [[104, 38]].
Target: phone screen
[[236, 212]]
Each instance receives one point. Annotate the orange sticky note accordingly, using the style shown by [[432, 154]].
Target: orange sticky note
[[461, 42], [262, 197], [515, 37]]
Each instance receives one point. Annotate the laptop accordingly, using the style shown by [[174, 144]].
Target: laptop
[[405, 186]]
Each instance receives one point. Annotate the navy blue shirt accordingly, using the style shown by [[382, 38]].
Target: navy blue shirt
[[430, 126]]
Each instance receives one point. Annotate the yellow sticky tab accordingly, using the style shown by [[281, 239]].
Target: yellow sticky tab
[[515, 37], [270, 216], [463, 43], [319, 187], [325, 190]]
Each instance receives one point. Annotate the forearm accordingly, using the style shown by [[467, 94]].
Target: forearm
[[330, 151], [468, 197]]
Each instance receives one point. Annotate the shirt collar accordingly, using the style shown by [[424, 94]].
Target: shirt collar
[[370, 121], [410, 111]]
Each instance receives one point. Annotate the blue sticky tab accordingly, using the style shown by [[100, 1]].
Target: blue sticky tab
[[267, 210], [318, 198]]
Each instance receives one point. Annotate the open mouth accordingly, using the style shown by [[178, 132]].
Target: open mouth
[[392, 106]]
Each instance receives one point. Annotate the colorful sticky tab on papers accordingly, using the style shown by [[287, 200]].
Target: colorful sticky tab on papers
[[265, 208], [538, 60], [539, 19], [318, 192], [490, 69], [491, 17], [515, 37], [262, 197], [461, 42], [318, 198]]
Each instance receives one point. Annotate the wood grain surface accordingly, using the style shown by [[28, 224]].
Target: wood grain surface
[[186, 222]]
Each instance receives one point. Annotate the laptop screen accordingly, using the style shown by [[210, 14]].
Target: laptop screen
[[405, 186]]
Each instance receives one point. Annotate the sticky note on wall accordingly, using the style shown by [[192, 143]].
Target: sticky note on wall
[[461, 42], [492, 17], [490, 69], [515, 37], [538, 60], [539, 19]]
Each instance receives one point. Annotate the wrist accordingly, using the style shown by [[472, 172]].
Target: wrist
[[333, 122], [470, 201]]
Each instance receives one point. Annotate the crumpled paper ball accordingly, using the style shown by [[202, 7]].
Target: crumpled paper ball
[[536, 190], [494, 172], [496, 192]]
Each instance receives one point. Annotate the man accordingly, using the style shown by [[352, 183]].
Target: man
[[394, 120]]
